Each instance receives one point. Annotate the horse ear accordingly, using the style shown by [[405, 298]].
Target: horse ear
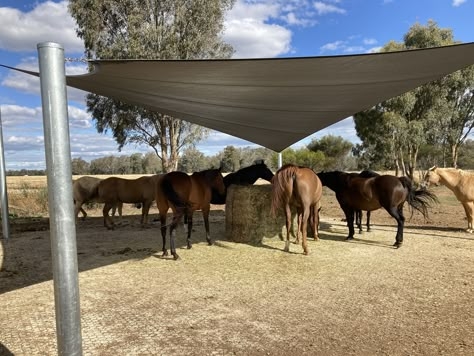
[[433, 168]]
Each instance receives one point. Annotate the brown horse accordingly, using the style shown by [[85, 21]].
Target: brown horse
[[114, 191], [389, 192], [460, 183], [301, 188], [185, 194]]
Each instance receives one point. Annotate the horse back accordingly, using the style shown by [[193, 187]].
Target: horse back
[[308, 186], [85, 188]]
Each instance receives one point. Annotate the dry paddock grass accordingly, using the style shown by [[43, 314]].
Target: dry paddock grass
[[345, 298]]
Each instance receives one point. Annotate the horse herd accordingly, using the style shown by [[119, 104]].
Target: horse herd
[[292, 186]]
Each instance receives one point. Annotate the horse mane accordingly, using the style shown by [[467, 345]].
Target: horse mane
[[282, 186]]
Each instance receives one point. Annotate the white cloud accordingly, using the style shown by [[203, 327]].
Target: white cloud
[[354, 49], [332, 46], [457, 3], [14, 115], [29, 84], [250, 35], [369, 41], [48, 21], [323, 8]]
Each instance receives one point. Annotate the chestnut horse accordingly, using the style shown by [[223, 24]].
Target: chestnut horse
[[185, 194], [387, 191], [460, 183], [301, 188]]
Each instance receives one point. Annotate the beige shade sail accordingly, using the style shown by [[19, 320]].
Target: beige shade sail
[[272, 102]]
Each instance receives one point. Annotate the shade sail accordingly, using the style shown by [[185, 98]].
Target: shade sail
[[272, 102]]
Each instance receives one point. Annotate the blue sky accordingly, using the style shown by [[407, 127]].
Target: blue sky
[[256, 28]]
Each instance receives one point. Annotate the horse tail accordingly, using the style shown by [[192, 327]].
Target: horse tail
[[282, 186], [170, 194], [418, 199]]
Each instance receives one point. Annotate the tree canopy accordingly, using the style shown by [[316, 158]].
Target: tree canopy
[[149, 29]]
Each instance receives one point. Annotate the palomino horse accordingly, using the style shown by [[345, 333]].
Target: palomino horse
[[462, 185], [84, 190], [114, 191], [299, 187], [389, 192], [185, 194], [244, 176]]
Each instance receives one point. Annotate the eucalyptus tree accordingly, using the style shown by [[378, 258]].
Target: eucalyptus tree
[[149, 29], [440, 111]]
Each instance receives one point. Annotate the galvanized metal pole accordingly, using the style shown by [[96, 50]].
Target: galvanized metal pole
[[3, 187], [61, 212], [280, 160]]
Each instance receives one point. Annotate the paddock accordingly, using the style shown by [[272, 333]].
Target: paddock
[[354, 298]]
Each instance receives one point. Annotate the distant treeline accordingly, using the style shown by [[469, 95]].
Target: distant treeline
[[327, 153]]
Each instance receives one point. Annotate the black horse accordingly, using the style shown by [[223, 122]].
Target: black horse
[[387, 191], [244, 176]]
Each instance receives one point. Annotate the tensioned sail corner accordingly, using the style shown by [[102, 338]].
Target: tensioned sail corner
[[272, 102]]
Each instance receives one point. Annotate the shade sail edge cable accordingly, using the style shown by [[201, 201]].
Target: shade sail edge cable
[[273, 102]]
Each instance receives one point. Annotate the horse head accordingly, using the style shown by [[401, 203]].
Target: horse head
[[431, 177], [216, 181], [264, 172]]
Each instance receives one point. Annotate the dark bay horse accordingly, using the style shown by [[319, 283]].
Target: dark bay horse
[[387, 191], [185, 194], [244, 176], [299, 187]]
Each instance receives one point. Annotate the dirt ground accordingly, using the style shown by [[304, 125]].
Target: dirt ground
[[346, 298]]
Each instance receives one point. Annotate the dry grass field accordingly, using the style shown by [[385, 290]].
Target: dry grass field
[[346, 298]]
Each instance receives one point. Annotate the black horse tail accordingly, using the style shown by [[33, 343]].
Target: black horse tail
[[171, 195], [418, 199]]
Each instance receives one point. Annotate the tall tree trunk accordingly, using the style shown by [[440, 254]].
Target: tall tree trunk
[[454, 154]]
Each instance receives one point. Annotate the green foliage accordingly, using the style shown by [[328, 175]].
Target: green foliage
[[192, 160], [440, 112], [79, 166], [335, 147]]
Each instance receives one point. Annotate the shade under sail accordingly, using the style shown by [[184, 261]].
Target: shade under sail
[[272, 102]]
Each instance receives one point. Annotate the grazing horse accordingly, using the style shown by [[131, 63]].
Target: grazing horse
[[114, 191], [358, 213], [460, 183], [185, 194], [244, 176], [389, 192], [299, 187]]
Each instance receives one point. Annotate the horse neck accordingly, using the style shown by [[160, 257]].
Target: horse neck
[[449, 178]]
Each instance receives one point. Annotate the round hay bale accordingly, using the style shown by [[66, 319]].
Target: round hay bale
[[248, 215]]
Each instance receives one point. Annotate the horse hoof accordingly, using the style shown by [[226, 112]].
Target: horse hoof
[[350, 238], [176, 257], [190, 246], [165, 253], [306, 253], [397, 244], [209, 242]]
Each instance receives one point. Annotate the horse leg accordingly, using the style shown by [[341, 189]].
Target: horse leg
[[305, 229], [145, 210], [108, 222], [299, 216], [368, 221], [119, 209], [189, 224], [176, 218], [358, 219], [469, 210], [205, 215], [163, 231], [315, 222], [288, 226], [350, 222], [397, 214]]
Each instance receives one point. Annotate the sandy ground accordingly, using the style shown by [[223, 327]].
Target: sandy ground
[[346, 298]]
